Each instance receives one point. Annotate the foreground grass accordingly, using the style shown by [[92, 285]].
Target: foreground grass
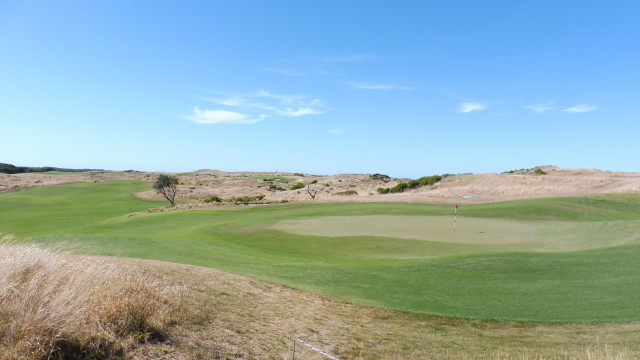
[[58, 306], [456, 280], [62, 307], [236, 317]]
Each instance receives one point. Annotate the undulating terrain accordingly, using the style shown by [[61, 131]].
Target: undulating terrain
[[535, 263]]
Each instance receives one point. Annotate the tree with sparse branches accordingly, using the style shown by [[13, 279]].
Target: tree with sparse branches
[[311, 192], [167, 185]]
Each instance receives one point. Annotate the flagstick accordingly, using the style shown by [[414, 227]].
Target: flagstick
[[455, 217]]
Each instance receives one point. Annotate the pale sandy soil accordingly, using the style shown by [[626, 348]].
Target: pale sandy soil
[[463, 188]]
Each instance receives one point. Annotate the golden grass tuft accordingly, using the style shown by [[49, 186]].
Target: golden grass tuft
[[56, 306]]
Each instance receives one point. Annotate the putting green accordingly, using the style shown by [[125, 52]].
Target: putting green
[[529, 235]]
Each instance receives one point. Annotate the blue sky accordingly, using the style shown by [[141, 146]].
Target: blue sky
[[404, 88]]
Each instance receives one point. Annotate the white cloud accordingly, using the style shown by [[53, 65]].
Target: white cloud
[[222, 117], [376, 86], [540, 108], [580, 108], [253, 107], [298, 112], [467, 107], [334, 131]]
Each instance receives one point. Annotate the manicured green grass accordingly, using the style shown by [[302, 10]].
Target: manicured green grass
[[515, 281]]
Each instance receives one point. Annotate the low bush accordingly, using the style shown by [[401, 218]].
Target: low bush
[[412, 184], [347, 193], [297, 186], [247, 199], [380, 177], [214, 198]]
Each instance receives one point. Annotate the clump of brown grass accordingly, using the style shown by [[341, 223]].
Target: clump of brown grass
[[56, 306]]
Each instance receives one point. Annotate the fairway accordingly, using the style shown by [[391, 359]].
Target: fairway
[[546, 260], [530, 235]]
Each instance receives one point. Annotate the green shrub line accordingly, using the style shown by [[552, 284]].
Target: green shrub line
[[214, 198], [412, 184], [236, 200], [12, 169]]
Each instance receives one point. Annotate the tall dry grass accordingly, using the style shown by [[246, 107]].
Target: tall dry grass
[[56, 306]]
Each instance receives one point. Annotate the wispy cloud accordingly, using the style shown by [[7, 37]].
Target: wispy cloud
[[298, 112], [467, 107], [540, 108], [376, 86], [580, 108], [222, 117], [250, 108], [335, 131]]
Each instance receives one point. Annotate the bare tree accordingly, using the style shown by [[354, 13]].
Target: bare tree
[[167, 185], [311, 193]]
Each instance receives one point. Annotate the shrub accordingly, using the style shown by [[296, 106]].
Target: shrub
[[347, 193], [247, 199], [214, 198], [297, 186], [380, 177], [539, 171], [274, 187], [411, 184]]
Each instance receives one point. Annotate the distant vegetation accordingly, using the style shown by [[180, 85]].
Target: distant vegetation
[[282, 179], [236, 200], [297, 186], [12, 169], [214, 198], [380, 177], [536, 170], [412, 184], [247, 199]]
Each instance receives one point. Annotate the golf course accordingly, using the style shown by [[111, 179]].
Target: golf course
[[552, 260]]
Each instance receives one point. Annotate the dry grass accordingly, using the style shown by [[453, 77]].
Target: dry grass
[[236, 317], [55, 306]]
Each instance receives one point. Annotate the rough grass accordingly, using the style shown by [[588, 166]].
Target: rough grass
[[55, 306], [236, 317]]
